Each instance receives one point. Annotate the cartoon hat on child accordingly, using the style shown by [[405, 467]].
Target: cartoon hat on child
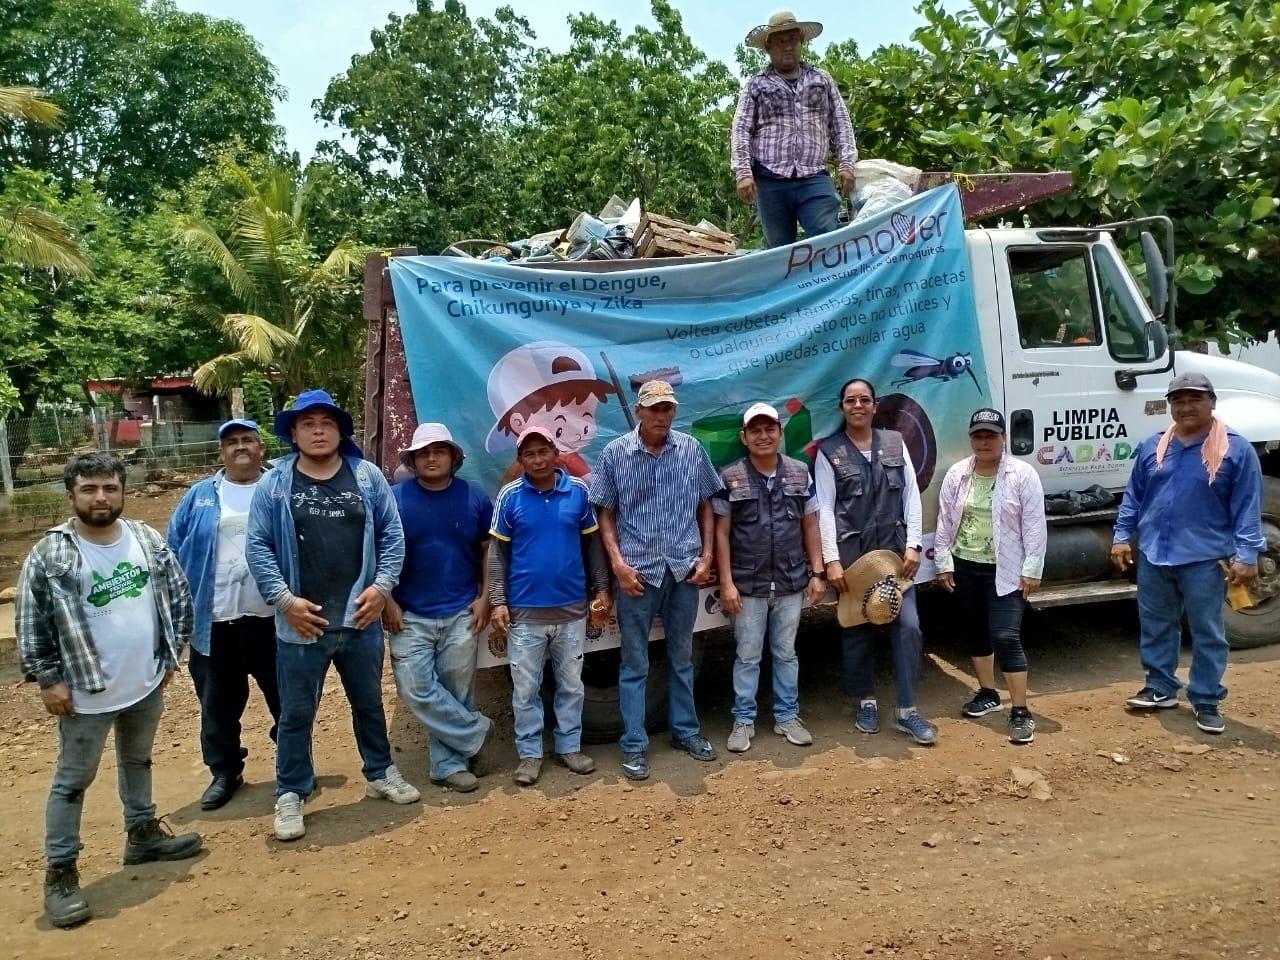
[[533, 377]]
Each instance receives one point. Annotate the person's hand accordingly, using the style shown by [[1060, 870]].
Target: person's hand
[[730, 597], [947, 581], [815, 590], [910, 563], [57, 700], [605, 599], [1121, 556], [500, 618], [835, 576], [628, 578], [844, 178], [392, 616], [480, 614], [701, 572], [747, 189], [369, 606], [1243, 574], [1028, 585], [304, 617]]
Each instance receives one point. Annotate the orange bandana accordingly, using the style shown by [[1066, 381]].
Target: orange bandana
[[1212, 452]]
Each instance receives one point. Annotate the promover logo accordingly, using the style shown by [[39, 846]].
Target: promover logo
[[901, 231]]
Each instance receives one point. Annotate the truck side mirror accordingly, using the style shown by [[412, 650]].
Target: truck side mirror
[[1157, 340], [1157, 276]]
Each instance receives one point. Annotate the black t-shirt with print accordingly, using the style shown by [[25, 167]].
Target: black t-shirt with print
[[328, 520]]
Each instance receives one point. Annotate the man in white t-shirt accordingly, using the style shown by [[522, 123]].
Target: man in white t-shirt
[[234, 636], [103, 614]]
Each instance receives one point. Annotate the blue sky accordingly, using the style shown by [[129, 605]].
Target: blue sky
[[312, 41]]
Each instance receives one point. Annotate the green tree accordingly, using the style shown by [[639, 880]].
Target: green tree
[[149, 93], [293, 311]]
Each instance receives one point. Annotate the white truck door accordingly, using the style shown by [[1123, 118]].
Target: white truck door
[[1070, 318]]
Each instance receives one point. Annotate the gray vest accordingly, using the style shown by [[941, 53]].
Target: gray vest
[[868, 505], [766, 544]]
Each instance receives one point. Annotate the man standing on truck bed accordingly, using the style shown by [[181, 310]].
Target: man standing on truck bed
[[788, 117], [325, 546], [652, 489], [868, 500], [1195, 500]]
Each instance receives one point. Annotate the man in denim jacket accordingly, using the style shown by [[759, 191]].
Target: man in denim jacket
[[325, 546]]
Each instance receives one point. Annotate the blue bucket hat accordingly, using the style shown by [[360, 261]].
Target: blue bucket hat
[[317, 400]]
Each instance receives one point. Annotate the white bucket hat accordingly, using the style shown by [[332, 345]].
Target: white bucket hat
[[528, 369], [781, 22], [427, 434]]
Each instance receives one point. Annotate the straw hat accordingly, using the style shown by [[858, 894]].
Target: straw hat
[[874, 588], [781, 22]]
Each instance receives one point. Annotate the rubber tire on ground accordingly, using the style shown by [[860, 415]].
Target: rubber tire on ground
[[1261, 625], [601, 718]]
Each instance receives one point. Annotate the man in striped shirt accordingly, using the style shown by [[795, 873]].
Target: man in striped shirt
[[652, 491], [789, 116]]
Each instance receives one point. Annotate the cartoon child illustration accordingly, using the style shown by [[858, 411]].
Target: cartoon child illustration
[[551, 385]]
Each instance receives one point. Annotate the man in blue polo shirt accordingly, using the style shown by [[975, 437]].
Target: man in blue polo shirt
[[543, 528], [440, 605]]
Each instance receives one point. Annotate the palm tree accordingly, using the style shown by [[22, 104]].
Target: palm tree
[[297, 313], [31, 237]]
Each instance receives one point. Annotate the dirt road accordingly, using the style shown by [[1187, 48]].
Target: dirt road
[[1157, 840]]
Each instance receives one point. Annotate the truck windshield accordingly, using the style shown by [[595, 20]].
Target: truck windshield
[[1051, 297], [1124, 317]]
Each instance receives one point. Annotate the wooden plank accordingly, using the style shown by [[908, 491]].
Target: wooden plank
[[1074, 593]]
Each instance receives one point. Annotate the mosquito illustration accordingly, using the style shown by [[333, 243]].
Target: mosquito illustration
[[921, 366]]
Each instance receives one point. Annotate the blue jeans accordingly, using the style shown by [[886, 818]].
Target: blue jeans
[[300, 672], [904, 637], [779, 617], [677, 603], [780, 203], [80, 742], [528, 645], [434, 662], [1164, 594]]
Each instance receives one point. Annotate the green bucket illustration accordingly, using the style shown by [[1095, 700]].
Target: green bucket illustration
[[718, 435]]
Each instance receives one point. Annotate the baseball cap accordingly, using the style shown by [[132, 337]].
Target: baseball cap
[[1190, 381], [986, 419], [533, 430], [760, 410], [237, 423], [654, 392]]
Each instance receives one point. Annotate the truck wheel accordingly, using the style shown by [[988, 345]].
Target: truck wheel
[[1260, 625], [601, 719]]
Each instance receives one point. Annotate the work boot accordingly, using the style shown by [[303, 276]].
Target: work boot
[[578, 762], [63, 900], [527, 771], [154, 840], [463, 781]]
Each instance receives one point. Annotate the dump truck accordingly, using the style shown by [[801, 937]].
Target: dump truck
[[1047, 324]]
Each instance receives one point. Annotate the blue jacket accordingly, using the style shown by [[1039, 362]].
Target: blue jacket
[[193, 537], [271, 546]]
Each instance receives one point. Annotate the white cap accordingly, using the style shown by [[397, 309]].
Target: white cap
[[760, 410]]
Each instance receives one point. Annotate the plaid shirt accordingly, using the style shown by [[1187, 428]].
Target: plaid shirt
[[54, 640], [789, 130]]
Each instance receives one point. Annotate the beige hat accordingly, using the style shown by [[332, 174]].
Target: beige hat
[[874, 588], [654, 392], [427, 434], [781, 22]]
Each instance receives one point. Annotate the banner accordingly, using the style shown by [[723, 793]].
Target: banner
[[493, 347]]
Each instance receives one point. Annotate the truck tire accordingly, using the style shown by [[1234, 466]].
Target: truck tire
[[601, 718], [1260, 625]]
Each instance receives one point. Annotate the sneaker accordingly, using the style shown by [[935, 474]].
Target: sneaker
[[867, 719], [698, 747], [289, 823], [578, 762], [983, 702], [1022, 726], [463, 781], [740, 736], [527, 771], [794, 731], [1209, 719], [635, 766], [154, 840], [1148, 698], [918, 729], [63, 901], [392, 786]]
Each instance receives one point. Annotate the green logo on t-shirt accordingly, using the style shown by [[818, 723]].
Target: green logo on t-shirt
[[127, 581]]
